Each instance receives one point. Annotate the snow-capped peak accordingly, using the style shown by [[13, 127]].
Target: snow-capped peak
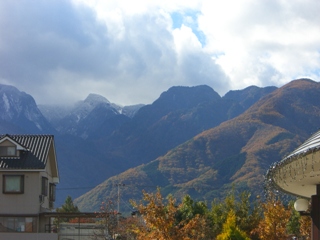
[[94, 99]]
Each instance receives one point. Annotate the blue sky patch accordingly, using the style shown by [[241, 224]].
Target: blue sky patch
[[188, 18]]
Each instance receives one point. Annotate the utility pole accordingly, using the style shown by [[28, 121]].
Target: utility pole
[[119, 185]]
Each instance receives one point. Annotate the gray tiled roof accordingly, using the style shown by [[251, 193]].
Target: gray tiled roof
[[36, 155]]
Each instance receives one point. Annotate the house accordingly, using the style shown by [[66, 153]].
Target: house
[[28, 178]]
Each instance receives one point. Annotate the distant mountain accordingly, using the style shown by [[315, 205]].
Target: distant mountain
[[178, 115], [96, 139], [87, 116], [238, 151], [131, 110], [54, 113], [20, 114], [247, 97]]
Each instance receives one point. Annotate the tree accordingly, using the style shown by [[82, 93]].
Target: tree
[[305, 227], [299, 226], [293, 225], [160, 220], [190, 208], [67, 207], [127, 226], [247, 215], [274, 224], [109, 220], [230, 230]]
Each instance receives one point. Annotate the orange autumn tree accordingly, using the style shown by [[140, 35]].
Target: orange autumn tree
[[161, 223], [274, 224], [305, 227]]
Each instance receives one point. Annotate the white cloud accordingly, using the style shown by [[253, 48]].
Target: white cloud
[[129, 52], [263, 42]]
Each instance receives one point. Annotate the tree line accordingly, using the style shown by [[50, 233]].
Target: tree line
[[234, 218]]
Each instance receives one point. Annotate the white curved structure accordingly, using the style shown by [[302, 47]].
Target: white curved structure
[[299, 174]]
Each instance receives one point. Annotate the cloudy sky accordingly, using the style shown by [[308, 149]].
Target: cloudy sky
[[59, 51]]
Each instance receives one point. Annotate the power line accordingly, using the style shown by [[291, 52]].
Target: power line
[[74, 188], [140, 186]]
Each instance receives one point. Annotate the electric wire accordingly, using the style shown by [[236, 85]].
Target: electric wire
[[136, 185]]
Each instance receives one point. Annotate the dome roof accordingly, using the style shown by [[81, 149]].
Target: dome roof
[[299, 172]]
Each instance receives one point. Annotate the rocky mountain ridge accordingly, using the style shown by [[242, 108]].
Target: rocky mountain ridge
[[103, 142], [236, 152], [20, 114]]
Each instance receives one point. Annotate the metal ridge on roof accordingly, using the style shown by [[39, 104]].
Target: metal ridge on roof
[[299, 172], [311, 144]]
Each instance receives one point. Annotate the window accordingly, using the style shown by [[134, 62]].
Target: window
[[8, 151], [52, 193], [44, 186], [13, 184], [18, 224]]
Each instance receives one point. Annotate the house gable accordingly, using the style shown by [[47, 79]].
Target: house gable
[[10, 148], [33, 153], [7, 141]]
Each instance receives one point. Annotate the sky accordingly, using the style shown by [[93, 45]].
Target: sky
[[60, 51]]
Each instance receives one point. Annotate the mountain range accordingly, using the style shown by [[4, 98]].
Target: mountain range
[[189, 141]]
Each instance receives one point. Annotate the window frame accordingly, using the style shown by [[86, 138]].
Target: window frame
[[5, 186], [4, 151], [44, 186], [15, 224], [52, 192]]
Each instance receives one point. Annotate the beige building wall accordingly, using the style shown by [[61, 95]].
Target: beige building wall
[[29, 201], [25, 203]]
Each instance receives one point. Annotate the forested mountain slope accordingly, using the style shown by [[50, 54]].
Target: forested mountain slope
[[238, 151], [97, 139]]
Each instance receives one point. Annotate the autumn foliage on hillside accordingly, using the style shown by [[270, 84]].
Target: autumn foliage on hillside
[[236, 151]]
